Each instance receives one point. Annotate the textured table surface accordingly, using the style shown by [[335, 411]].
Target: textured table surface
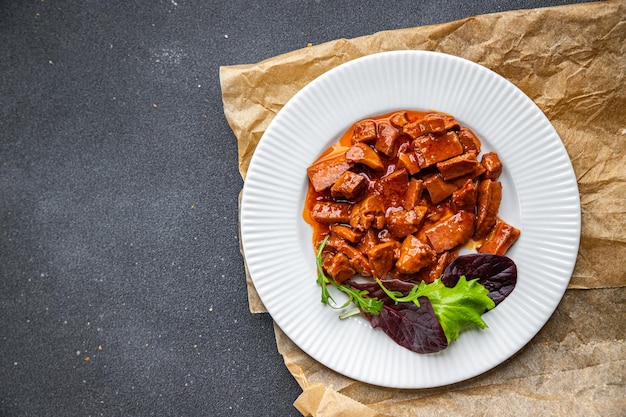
[[122, 289]]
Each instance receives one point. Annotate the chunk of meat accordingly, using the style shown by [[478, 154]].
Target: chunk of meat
[[477, 172], [358, 260], [414, 256], [346, 233], [337, 266], [382, 258], [387, 139], [464, 198], [361, 153], [392, 188], [328, 212], [489, 198], [335, 242], [458, 166], [469, 141], [399, 119], [409, 160], [428, 124], [437, 212], [451, 232], [493, 167], [348, 186], [437, 148], [500, 239], [369, 212], [402, 223], [368, 240], [326, 172], [364, 131], [449, 121], [436, 271], [413, 193], [385, 236], [439, 189]]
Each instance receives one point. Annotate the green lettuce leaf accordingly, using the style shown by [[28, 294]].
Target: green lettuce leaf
[[459, 307]]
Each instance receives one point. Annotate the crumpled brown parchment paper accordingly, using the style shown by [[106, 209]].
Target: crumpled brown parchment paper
[[571, 62]]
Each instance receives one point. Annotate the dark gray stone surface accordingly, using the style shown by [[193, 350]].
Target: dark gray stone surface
[[122, 289]]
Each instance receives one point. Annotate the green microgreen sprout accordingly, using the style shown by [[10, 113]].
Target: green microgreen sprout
[[357, 297]]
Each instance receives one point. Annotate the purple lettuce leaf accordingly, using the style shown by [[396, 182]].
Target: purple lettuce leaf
[[415, 328], [497, 273]]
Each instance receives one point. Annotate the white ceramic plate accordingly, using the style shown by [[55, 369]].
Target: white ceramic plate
[[540, 197]]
